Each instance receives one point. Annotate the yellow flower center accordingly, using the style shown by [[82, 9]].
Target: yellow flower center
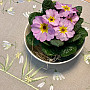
[[70, 19], [51, 19], [63, 29], [44, 27], [66, 8]]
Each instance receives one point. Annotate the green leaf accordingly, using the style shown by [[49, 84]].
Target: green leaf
[[2, 66], [57, 43], [75, 38], [32, 16], [79, 8], [24, 66], [47, 4], [78, 24], [35, 72], [82, 32], [80, 42], [31, 40], [39, 78], [6, 62], [47, 43], [49, 51], [9, 66], [28, 72], [68, 50]]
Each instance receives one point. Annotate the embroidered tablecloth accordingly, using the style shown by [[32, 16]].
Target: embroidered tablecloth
[[19, 70]]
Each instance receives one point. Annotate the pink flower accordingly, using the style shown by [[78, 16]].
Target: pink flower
[[65, 9], [52, 17], [41, 29], [73, 18], [65, 30]]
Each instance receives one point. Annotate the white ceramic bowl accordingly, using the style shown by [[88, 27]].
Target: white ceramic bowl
[[26, 32]]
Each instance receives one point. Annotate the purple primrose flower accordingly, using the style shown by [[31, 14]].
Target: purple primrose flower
[[42, 30], [65, 30], [52, 17], [65, 9], [73, 18]]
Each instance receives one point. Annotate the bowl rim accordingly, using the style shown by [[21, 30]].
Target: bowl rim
[[47, 61]]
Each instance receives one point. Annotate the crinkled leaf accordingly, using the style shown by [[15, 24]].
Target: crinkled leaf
[[47, 4], [80, 42], [82, 32], [68, 50], [57, 43], [49, 51], [39, 78], [79, 8], [6, 62], [47, 43], [31, 40], [35, 72], [75, 38], [24, 66], [78, 24], [32, 16]]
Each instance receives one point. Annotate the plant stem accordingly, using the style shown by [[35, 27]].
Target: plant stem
[[37, 1], [19, 79]]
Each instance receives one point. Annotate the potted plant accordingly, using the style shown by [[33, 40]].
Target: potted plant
[[55, 35]]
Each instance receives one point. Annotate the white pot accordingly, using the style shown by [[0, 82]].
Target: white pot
[[26, 32]]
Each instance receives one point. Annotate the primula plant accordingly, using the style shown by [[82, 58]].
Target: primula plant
[[57, 30]]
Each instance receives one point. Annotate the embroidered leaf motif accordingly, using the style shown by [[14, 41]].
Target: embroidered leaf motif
[[35, 72], [39, 78], [6, 62], [9, 66], [2, 66], [29, 72], [24, 66]]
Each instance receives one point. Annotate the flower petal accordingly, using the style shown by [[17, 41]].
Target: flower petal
[[70, 34]]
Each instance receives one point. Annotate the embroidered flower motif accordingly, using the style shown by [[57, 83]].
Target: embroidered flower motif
[[65, 30], [34, 6], [58, 76], [52, 17], [65, 9], [28, 79], [18, 55], [87, 58], [7, 45], [20, 1], [41, 29], [29, 0], [10, 11], [41, 84], [87, 1], [51, 87], [73, 18], [1, 2], [26, 14], [21, 59]]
